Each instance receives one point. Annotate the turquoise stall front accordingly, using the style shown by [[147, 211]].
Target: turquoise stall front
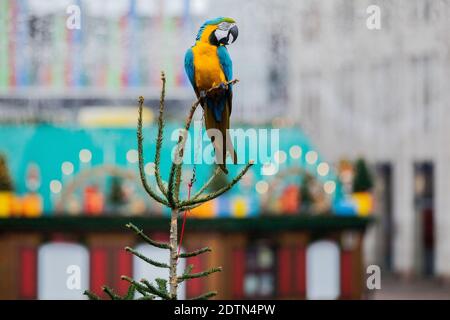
[[49, 160]]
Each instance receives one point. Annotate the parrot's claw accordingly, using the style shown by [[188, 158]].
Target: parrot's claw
[[223, 86], [203, 94]]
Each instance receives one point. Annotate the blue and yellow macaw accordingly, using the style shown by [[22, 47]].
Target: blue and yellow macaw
[[208, 64]]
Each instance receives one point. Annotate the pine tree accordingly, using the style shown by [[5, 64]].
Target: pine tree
[[306, 198], [6, 183], [362, 180], [170, 197], [116, 195]]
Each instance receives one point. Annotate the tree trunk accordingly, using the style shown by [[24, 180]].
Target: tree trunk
[[173, 281]]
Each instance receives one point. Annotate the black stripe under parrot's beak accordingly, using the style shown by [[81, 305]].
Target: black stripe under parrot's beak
[[234, 32]]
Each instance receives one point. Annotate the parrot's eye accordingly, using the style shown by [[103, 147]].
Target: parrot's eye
[[224, 26]]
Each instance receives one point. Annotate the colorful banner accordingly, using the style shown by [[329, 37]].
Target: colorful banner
[[113, 49], [4, 43]]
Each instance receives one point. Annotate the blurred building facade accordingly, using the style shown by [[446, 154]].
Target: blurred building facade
[[296, 257], [382, 94], [118, 52]]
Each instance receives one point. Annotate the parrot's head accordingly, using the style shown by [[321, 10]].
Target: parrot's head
[[219, 31]]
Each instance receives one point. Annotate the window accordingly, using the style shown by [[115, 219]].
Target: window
[[424, 10], [345, 15], [310, 21], [423, 82], [278, 68], [259, 278], [384, 107], [346, 97], [310, 104]]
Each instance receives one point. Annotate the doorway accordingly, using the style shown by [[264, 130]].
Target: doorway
[[424, 216], [384, 204]]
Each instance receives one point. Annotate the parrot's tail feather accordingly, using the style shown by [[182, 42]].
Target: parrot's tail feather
[[220, 137], [230, 148]]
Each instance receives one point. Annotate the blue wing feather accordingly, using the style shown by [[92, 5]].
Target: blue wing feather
[[225, 62], [227, 68], [189, 67]]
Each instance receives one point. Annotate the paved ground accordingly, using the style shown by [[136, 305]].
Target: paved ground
[[395, 288]]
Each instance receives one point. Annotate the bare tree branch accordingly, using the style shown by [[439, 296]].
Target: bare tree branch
[[207, 183], [162, 245], [140, 139], [188, 276], [194, 253], [205, 296], [148, 260], [189, 204], [159, 139]]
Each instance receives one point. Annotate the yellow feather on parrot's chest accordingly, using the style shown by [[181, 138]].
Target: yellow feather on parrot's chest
[[208, 71]]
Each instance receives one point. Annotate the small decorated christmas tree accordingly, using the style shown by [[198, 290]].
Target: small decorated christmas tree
[[306, 197], [116, 195], [6, 183], [362, 181]]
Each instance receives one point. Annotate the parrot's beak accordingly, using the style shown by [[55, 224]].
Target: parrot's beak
[[234, 32], [225, 36]]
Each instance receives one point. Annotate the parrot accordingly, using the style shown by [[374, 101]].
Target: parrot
[[207, 65]]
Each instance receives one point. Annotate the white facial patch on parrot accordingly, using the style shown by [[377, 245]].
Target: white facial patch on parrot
[[224, 26], [220, 34]]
